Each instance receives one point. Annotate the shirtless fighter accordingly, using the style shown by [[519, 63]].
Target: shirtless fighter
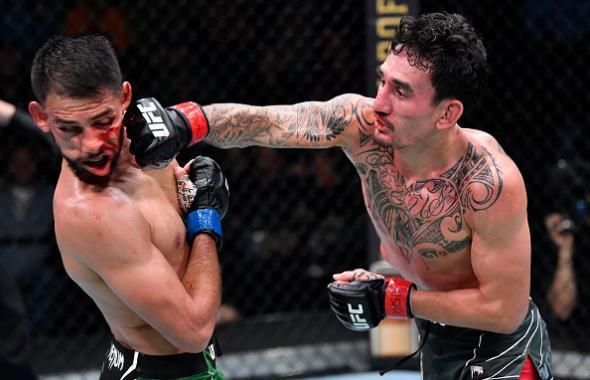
[[120, 229], [448, 204]]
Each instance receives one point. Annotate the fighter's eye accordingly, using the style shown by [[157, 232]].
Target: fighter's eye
[[104, 123], [69, 130]]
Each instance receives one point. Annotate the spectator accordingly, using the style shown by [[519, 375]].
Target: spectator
[[13, 118], [16, 202], [566, 247], [26, 225], [29, 163], [14, 343]]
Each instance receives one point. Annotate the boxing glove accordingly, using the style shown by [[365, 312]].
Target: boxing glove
[[157, 134], [361, 305], [211, 201]]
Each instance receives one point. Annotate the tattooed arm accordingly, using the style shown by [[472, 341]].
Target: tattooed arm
[[303, 125], [500, 258]]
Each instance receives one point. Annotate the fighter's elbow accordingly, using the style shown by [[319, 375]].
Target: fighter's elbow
[[197, 339], [507, 319], [195, 333], [507, 325]]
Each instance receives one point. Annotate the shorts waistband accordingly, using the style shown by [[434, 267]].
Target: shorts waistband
[[167, 366], [448, 331]]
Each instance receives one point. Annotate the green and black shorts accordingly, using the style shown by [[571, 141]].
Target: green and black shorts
[[121, 363]]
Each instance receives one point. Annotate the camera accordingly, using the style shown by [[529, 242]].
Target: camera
[[567, 226], [574, 175]]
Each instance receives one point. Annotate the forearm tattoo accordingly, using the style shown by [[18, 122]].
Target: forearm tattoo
[[229, 128], [427, 217], [308, 124]]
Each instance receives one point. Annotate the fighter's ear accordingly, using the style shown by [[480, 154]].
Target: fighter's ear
[[450, 112], [39, 116], [126, 94]]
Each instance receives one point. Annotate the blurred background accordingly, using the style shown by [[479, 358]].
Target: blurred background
[[296, 216]]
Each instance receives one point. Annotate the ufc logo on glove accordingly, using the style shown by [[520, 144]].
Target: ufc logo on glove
[[356, 317], [155, 122]]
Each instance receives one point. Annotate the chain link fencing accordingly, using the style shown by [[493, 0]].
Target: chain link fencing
[[297, 216]]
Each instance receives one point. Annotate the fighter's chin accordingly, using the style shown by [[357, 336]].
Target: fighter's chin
[[382, 139], [91, 175]]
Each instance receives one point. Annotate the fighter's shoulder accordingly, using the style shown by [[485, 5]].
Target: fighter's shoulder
[[82, 219], [485, 140], [360, 106], [354, 99], [497, 183], [357, 114], [488, 145]]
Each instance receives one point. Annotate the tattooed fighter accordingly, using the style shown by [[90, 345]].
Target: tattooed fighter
[[448, 204]]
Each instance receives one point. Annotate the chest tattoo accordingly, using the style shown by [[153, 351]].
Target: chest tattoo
[[427, 217]]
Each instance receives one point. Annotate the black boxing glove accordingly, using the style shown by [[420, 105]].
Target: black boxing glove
[[362, 305], [157, 134], [211, 200]]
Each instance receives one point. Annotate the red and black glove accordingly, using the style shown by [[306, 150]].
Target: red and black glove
[[157, 134], [361, 305]]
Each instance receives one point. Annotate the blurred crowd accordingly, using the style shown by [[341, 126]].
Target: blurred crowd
[[280, 221]]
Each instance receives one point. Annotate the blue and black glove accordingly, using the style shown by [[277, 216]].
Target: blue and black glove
[[211, 201]]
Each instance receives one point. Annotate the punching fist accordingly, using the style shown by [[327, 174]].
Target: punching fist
[[204, 194], [157, 134], [361, 304]]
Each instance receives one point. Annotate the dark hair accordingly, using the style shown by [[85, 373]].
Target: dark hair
[[77, 67], [448, 46]]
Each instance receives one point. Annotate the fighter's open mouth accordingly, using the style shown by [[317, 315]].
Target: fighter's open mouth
[[97, 162]]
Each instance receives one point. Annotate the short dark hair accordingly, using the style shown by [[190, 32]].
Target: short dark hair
[[447, 45], [78, 67]]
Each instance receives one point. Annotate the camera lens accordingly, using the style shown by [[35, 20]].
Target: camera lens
[[567, 226]]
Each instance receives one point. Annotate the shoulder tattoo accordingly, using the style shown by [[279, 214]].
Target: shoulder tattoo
[[427, 216]]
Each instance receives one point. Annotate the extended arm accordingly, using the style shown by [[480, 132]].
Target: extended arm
[[157, 134], [303, 125]]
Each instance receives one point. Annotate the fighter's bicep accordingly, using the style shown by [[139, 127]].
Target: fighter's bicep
[[502, 264], [500, 249], [336, 122]]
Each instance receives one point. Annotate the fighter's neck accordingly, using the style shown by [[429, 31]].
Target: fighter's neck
[[124, 165], [430, 159]]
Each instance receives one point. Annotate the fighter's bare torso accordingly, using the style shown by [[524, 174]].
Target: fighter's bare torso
[[424, 224], [150, 194]]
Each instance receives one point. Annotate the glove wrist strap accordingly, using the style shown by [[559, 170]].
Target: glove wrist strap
[[199, 125], [204, 220], [397, 298]]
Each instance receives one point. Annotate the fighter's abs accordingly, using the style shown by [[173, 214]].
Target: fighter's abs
[[427, 217]]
